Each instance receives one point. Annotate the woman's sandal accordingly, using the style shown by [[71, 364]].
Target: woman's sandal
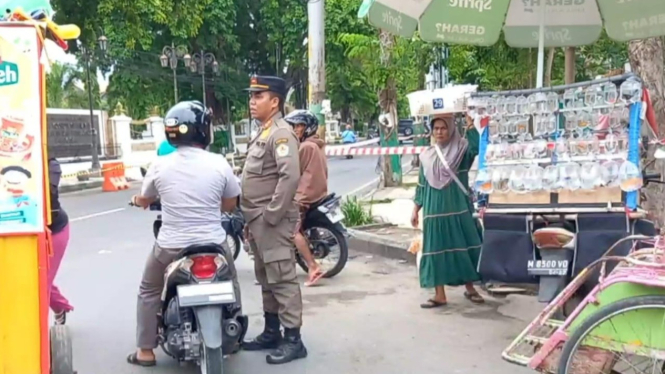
[[474, 297], [134, 360], [431, 304]]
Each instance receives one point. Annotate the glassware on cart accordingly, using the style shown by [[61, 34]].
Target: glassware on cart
[[590, 177], [571, 122], [516, 179], [569, 99], [609, 172], [492, 109], [539, 125], [615, 118], [516, 151], [630, 177], [561, 147], [504, 126], [529, 151], [521, 105], [630, 91], [540, 148], [552, 124], [591, 95], [611, 143], [532, 104], [541, 103], [522, 124], [570, 173], [490, 154], [494, 126], [584, 120], [501, 105], [500, 177], [512, 126], [579, 98], [483, 182], [501, 151], [551, 178], [511, 105], [610, 93], [552, 102], [533, 178]]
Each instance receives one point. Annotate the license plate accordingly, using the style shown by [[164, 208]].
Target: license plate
[[548, 267], [335, 215], [206, 294]]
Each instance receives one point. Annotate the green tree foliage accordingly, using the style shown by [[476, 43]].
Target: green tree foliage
[[65, 88]]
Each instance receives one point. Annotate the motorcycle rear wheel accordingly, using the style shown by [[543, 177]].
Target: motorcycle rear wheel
[[212, 360], [343, 251]]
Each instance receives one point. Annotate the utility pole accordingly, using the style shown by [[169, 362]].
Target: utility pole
[[317, 59], [169, 58], [88, 54]]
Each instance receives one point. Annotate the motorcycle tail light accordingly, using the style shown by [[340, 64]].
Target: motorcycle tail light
[[204, 267]]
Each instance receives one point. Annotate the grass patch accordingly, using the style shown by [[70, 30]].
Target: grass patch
[[355, 214]]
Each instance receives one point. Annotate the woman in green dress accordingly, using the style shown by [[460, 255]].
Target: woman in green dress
[[451, 236]]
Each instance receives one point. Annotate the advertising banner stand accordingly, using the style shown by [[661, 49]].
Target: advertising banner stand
[[25, 347]]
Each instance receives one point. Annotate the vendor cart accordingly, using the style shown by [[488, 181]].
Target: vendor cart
[[559, 169], [27, 344]]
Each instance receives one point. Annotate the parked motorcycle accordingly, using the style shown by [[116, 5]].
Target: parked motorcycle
[[324, 230], [201, 317]]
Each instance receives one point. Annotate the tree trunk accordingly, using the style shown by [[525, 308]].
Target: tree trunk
[[569, 66], [548, 70], [392, 173], [646, 59]]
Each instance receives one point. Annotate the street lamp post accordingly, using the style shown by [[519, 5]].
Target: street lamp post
[[169, 58], [199, 62], [88, 55]]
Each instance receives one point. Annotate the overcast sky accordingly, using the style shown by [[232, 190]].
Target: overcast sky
[[56, 54]]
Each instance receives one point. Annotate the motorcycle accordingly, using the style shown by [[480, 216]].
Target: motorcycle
[[201, 316], [326, 216]]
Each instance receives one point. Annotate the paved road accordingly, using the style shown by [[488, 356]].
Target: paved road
[[366, 320]]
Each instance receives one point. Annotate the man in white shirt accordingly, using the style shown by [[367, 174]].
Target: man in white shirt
[[193, 186]]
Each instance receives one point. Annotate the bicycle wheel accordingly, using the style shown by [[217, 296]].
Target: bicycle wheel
[[625, 337]]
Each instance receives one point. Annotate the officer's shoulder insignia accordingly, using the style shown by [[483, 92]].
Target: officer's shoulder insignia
[[265, 133], [281, 141], [282, 150]]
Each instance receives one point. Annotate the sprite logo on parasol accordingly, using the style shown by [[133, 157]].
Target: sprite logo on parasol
[[479, 5]]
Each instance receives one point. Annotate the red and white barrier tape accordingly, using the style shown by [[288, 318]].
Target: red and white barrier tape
[[374, 151]]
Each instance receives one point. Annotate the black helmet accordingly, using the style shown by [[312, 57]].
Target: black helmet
[[306, 118], [188, 123]]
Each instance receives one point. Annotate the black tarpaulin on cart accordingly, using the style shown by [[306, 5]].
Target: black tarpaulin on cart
[[507, 248]]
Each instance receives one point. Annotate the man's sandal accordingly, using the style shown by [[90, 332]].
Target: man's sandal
[[474, 297], [431, 304], [134, 360]]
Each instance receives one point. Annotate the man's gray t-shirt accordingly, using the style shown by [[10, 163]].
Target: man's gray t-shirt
[[190, 183]]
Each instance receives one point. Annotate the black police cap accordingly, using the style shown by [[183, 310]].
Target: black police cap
[[262, 83]]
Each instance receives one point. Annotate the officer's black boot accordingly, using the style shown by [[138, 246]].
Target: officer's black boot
[[270, 338], [291, 348]]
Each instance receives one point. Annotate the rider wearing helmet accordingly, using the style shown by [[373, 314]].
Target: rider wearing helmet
[[313, 185], [191, 184]]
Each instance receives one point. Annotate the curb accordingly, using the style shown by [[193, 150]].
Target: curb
[[88, 185], [378, 245]]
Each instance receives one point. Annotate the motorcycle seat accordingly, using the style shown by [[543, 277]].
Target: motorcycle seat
[[554, 238], [323, 201], [198, 249]]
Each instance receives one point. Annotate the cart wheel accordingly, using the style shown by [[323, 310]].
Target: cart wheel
[[61, 351], [611, 338]]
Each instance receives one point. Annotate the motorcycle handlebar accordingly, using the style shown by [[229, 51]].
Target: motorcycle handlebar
[[655, 176]]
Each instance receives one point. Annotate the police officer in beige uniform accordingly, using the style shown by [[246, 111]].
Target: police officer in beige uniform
[[269, 183]]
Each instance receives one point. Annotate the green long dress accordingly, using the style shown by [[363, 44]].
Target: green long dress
[[451, 236]]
